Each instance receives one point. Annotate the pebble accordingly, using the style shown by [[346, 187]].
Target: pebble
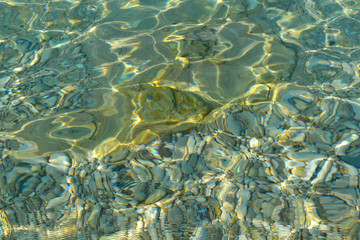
[[186, 168], [232, 179], [180, 149], [254, 143], [200, 167], [344, 145], [36, 167], [50, 101], [175, 216], [305, 156], [158, 173], [94, 218], [22, 170], [193, 160], [199, 146], [155, 196], [60, 158], [60, 200], [191, 145], [298, 137], [232, 126]]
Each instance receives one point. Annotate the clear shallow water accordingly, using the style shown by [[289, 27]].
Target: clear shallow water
[[179, 119]]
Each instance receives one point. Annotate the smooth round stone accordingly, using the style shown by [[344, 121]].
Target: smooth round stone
[[251, 123], [71, 133], [158, 173], [232, 126], [305, 156], [299, 137], [186, 168], [257, 93], [254, 142], [40, 88], [180, 148], [35, 167], [344, 145], [50, 101], [40, 107], [321, 136], [164, 152], [175, 216], [139, 196], [60, 158], [52, 215], [54, 171], [193, 160], [155, 196]]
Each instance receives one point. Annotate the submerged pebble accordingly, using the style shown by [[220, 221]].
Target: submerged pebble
[[192, 120]]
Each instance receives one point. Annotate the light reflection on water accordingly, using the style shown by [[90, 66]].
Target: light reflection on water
[[219, 119]]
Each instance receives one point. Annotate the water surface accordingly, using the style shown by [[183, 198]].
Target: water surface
[[182, 119]]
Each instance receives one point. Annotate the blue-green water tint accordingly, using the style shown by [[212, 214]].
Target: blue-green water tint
[[242, 117]]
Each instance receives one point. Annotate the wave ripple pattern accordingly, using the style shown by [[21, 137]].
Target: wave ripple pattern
[[179, 119]]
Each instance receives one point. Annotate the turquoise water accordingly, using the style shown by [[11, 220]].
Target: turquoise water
[[179, 119]]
